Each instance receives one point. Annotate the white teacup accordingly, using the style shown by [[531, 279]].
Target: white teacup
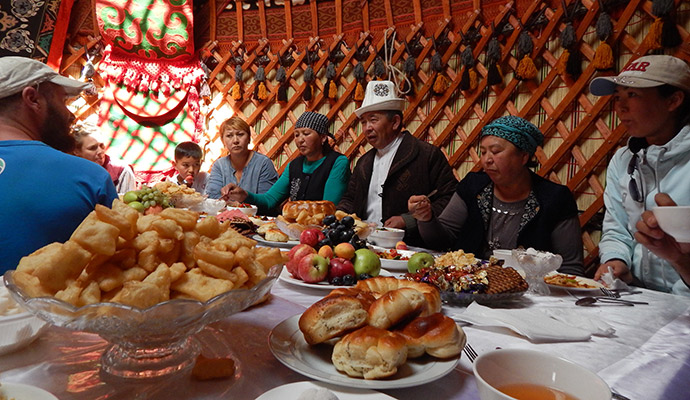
[[674, 220], [503, 368]]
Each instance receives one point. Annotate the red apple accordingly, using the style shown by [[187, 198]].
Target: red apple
[[295, 255], [344, 250], [313, 268], [311, 236], [401, 245], [340, 267], [326, 251]]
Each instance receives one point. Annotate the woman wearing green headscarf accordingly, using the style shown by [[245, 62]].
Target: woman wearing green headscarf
[[507, 205]]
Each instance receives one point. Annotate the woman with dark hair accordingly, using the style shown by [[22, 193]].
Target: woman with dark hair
[[652, 100], [241, 167], [319, 173], [507, 205]]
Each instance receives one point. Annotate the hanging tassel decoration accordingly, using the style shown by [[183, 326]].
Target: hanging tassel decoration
[[441, 82], [359, 75], [260, 91], [526, 69], [567, 42], [236, 90], [664, 32], [603, 56], [379, 68], [670, 36], [281, 78], [331, 87], [493, 55], [409, 68], [468, 80], [308, 79]]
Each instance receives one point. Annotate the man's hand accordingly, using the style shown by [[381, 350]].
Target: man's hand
[[232, 192], [395, 222], [420, 208], [620, 270], [650, 235]]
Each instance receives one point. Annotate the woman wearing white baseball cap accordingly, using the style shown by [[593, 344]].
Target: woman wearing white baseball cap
[[652, 100]]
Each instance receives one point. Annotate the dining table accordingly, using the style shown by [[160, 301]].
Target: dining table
[[646, 357]]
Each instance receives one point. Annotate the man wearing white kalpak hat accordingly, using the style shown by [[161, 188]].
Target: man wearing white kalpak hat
[[652, 100], [398, 166], [44, 193]]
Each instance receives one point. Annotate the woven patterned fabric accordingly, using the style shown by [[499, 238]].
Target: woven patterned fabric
[[150, 44], [27, 27]]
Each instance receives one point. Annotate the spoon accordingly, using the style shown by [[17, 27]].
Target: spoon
[[588, 301]]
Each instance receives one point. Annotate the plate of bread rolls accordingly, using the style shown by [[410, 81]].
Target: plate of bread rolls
[[397, 320]]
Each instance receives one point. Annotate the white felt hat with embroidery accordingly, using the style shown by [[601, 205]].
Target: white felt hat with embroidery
[[380, 96]]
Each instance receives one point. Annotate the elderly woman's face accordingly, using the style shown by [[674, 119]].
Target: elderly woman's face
[[91, 149], [236, 141], [309, 143], [501, 160]]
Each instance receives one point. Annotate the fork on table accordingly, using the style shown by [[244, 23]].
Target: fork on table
[[469, 352], [610, 293]]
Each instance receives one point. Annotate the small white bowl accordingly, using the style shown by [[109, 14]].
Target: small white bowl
[[674, 220], [502, 367], [18, 331], [386, 237], [250, 210]]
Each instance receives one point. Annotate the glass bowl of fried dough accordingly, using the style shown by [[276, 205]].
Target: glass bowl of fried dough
[[146, 286]]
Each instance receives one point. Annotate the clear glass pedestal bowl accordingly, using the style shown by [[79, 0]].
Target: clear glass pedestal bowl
[[147, 343]]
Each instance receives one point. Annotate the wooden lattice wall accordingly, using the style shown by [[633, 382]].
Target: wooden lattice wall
[[580, 130]]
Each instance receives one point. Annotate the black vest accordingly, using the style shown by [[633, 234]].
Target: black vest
[[555, 204], [310, 186]]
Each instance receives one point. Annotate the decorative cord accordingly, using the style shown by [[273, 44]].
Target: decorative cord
[[393, 71]]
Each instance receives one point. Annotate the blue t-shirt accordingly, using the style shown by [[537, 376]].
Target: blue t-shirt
[[44, 196]]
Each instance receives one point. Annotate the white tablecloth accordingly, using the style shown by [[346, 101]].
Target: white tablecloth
[[647, 359]]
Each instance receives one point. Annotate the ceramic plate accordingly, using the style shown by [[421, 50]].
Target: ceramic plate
[[20, 391], [294, 390], [285, 245], [587, 281], [287, 344], [285, 276]]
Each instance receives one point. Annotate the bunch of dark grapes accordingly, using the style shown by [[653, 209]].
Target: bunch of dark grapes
[[342, 231]]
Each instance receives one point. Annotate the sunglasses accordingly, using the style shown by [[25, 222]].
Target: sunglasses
[[633, 187]]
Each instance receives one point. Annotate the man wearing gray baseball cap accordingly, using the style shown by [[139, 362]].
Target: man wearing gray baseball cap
[[652, 100], [46, 193]]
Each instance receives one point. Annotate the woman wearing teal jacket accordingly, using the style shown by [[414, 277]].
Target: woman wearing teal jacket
[[319, 173]]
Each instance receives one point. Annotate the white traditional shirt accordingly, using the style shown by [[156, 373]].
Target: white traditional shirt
[[382, 164]]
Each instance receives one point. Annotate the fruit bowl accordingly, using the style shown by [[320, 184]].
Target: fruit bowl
[[145, 343]]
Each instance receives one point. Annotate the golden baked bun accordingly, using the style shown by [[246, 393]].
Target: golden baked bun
[[381, 285], [370, 353], [331, 317], [366, 298], [436, 335], [396, 306], [307, 212]]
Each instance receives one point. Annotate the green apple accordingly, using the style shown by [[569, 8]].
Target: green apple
[[366, 262], [420, 260], [130, 197]]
